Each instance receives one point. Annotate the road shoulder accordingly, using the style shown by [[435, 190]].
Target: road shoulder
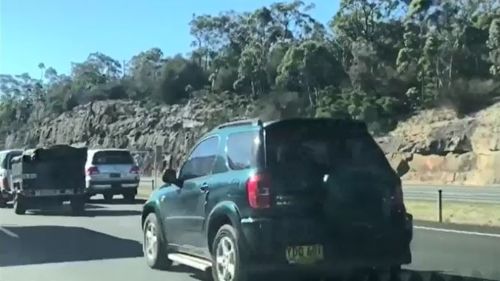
[[458, 227]]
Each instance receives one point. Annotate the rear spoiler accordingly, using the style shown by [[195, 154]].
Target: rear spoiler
[[337, 124]]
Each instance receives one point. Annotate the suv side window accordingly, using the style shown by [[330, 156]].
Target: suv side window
[[242, 150], [201, 160]]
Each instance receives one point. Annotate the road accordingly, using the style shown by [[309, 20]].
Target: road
[[106, 245], [471, 194]]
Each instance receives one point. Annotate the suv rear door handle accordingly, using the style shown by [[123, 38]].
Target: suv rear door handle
[[204, 186]]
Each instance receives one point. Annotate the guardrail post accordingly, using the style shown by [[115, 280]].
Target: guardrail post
[[440, 205]]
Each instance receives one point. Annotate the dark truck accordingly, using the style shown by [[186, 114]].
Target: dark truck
[[45, 177]]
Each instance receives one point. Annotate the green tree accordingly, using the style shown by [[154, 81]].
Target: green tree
[[309, 67], [177, 74]]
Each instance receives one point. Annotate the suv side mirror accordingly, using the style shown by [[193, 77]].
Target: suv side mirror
[[169, 176]]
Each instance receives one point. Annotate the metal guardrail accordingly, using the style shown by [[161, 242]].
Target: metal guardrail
[[454, 194], [476, 195], [416, 193], [148, 181]]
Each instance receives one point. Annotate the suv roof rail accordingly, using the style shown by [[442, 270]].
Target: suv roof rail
[[243, 122]]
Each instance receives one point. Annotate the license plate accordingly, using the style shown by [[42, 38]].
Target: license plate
[[45, 192], [304, 254], [114, 175]]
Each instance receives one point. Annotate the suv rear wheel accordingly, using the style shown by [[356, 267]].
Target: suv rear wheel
[[227, 257], [129, 197], [78, 205], [155, 246]]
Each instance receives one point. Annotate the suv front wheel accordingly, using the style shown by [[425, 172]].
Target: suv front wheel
[[227, 257], [154, 246]]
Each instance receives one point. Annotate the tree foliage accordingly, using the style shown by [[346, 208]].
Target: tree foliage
[[376, 60]]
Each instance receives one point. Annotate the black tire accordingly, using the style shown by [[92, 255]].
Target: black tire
[[3, 203], [88, 197], [156, 256], [78, 205], [395, 273], [130, 197], [241, 272], [108, 197], [19, 205]]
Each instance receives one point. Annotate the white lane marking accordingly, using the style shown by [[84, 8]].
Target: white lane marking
[[8, 232], [458, 231]]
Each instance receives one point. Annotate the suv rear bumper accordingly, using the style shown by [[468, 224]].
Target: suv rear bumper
[[342, 253], [112, 187]]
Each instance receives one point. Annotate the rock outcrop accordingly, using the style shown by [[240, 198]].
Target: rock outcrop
[[134, 125], [437, 147], [434, 147]]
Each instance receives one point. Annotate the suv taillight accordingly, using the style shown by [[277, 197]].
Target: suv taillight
[[92, 170], [134, 170], [259, 191]]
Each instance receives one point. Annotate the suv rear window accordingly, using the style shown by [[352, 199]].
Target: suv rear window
[[112, 157], [317, 147]]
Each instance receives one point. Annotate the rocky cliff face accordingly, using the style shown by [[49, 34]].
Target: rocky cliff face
[[437, 147], [127, 124], [434, 147]]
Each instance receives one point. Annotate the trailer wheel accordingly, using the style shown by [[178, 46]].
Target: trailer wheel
[[3, 202], [19, 205], [78, 205]]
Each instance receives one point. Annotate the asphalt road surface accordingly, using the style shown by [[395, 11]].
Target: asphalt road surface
[[470, 194], [105, 244]]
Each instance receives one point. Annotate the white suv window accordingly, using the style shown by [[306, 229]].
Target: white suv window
[[112, 157]]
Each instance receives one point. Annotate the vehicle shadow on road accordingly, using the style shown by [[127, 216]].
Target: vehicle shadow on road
[[87, 213], [93, 206], [117, 201], [406, 275], [416, 275], [193, 273], [24, 245], [10, 205]]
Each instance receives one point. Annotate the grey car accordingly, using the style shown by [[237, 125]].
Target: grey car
[[110, 172]]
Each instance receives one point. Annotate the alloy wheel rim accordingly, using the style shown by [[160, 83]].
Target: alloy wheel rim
[[151, 240], [225, 259]]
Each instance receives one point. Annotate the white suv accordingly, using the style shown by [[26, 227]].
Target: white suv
[[111, 171]]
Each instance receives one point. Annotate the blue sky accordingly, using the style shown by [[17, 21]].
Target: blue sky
[[58, 32]]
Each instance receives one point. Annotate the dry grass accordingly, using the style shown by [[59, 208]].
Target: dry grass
[[460, 213], [144, 190]]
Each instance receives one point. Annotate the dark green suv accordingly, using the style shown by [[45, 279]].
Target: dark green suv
[[298, 195]]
